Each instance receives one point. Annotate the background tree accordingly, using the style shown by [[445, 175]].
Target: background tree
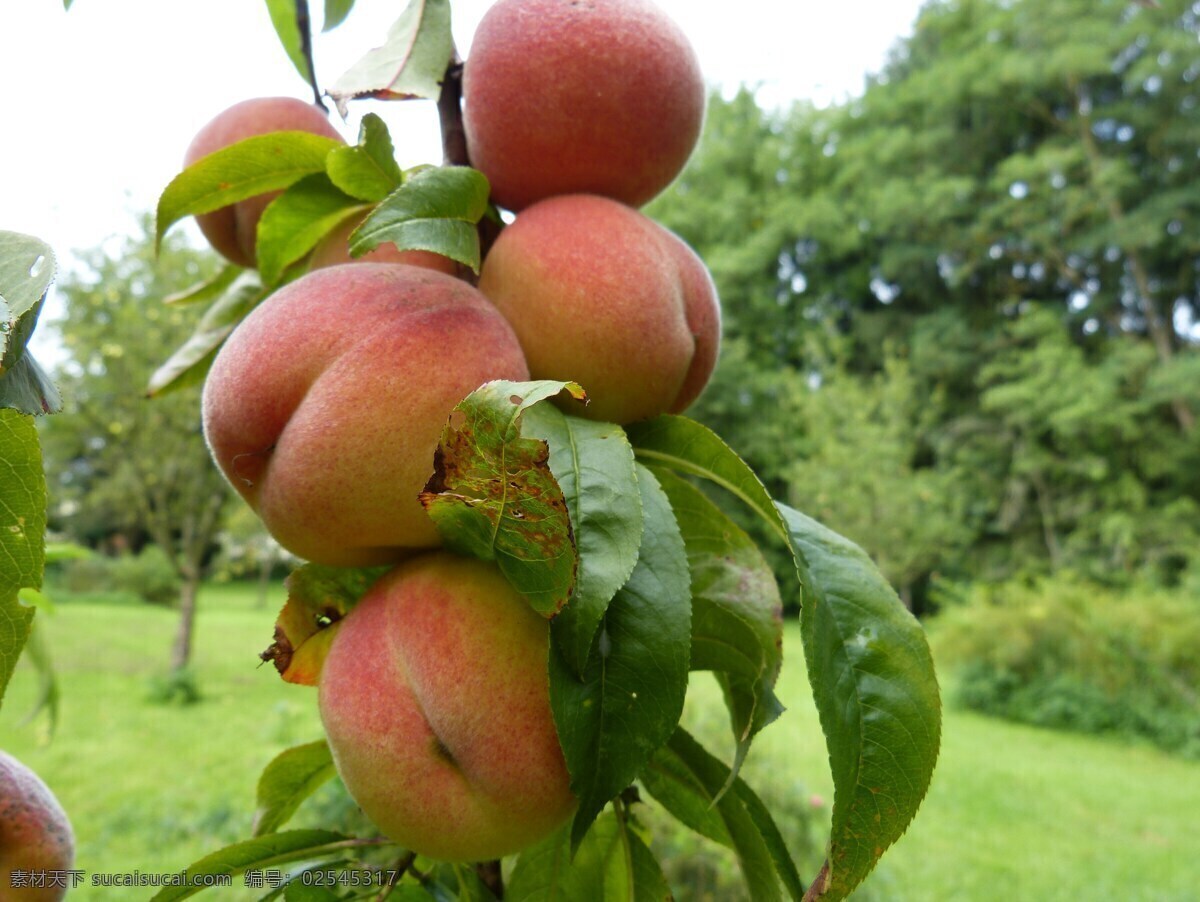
[[1006, 221], [126, 469]]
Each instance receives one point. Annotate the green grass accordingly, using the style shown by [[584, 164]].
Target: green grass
[[1014, 812]]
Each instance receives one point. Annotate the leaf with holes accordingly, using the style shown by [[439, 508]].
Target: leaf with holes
[[318, 597], [492, 494]]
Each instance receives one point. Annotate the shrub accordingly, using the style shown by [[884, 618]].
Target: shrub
[[1065, 653], [148, 575]]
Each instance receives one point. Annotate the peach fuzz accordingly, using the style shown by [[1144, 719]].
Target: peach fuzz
[[232, 230], [325, 405], [600, 294], [35, 834], [580, 96], [435, 701]]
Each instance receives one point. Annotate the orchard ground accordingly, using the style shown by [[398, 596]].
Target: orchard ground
[[1014, 812]]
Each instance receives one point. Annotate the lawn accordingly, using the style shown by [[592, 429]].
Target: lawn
[[1014, 812]]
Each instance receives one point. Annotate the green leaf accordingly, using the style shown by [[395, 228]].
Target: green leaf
[[285, 18], [436, 210], [260, 853], [410, 63], [37, 652], [877, 696], [251, 167], [689, 782], [190, 363], [492, 494], [290, 778], [737, 616], [208, 290], [296, 220], [631, 694], [335, 13], [26, 388], [368, 170], [687, 446], [593, 464], [27, 268], [22, 533], [612, 864]]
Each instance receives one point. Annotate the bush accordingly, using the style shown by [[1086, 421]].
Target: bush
[[1064, 653], [147, 577]]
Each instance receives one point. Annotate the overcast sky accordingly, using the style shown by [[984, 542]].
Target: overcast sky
[[99, 103]]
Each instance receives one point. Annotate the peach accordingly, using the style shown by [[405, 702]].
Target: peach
[[600, 294], [35, 836], [325, 405], [334, 248], [232, 230], [435, 700], [580, 96]]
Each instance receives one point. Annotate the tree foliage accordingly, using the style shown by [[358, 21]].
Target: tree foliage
[[972, 293]]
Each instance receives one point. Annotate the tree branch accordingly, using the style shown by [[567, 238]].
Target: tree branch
[[304, 23]]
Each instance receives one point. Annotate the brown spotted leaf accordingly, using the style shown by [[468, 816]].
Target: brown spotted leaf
[[492, 495], [318, 598]]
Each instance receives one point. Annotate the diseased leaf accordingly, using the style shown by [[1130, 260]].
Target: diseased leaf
[[612, 864], [260, 853], [335, 13], [410, 63], [368, 170], [436, 210], [318, 598], [492, 495], [251, 167], [593, 464], [22, 533], [877, 696], [737, 616], [290, 778], [285, 18], [293, 223], [689, 782], [190, 363], [631, 694]]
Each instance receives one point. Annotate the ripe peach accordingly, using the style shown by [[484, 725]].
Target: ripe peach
[[435, 700], [334, 248], [326, 404], [232, 230], [600, 294], [35, 835], [580, 96]]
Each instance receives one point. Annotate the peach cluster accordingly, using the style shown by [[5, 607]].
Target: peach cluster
[[325, 406]]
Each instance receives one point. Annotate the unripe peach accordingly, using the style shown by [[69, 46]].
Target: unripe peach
[[580, 96], [233, 230], [600, 294], [35, 836], [435, 700], [334, 249], [325, 406]]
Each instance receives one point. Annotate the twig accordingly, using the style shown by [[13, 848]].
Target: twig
[[304, 23]]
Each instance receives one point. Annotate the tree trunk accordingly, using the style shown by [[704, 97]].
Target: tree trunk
[[265, 565], [181, 652]]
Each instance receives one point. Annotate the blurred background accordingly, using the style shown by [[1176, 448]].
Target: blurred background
[[961, 301]]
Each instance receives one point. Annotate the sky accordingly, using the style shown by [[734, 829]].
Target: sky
[[100, 102]]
